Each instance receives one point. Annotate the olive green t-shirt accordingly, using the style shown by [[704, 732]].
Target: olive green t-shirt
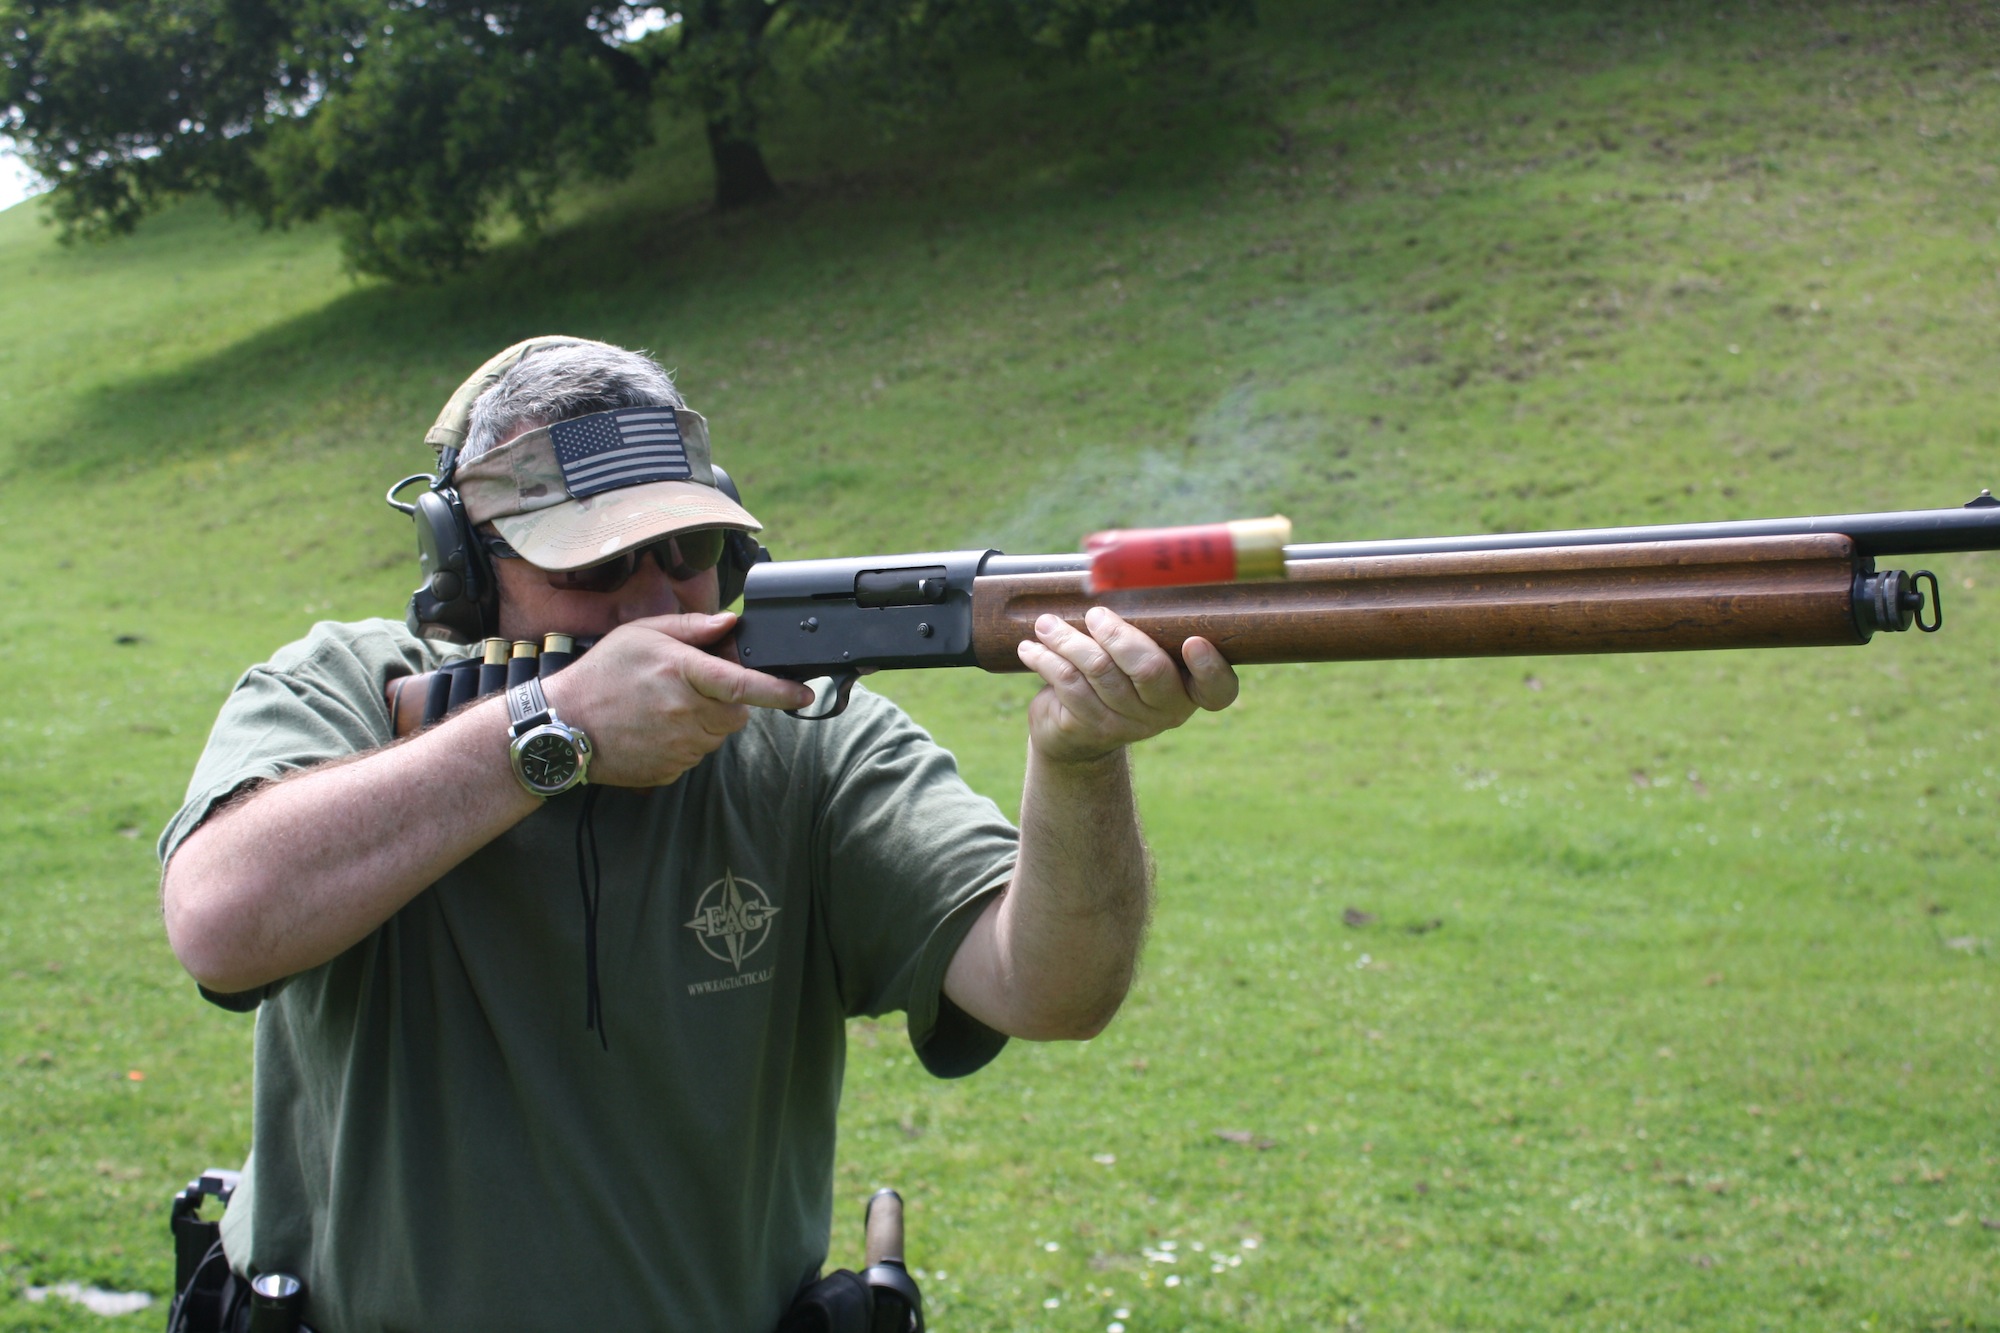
[[440, 1144]]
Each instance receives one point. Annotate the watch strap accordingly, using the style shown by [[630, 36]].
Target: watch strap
[[527, 706]]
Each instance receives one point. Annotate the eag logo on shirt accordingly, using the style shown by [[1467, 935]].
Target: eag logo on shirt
[[732, 921]]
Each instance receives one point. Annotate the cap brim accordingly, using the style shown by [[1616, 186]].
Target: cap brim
[[583, 532]]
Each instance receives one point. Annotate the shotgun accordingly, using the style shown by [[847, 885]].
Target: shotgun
[[1756, 583]]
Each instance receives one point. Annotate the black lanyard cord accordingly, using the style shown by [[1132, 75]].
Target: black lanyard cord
[[590, 882]]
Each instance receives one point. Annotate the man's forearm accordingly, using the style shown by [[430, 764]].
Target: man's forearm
[[300, 870], [1064, 938]]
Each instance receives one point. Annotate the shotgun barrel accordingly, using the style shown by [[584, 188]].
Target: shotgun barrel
[[1760, 583]]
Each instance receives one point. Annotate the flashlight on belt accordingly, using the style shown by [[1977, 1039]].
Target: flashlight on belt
[[276, 1302]]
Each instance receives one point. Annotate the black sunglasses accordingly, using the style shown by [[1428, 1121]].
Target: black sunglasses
[[680, 557]]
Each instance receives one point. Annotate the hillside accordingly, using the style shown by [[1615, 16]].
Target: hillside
[[1704, 1035]]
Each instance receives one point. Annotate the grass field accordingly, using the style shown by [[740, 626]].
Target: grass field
[[1679, 1004]]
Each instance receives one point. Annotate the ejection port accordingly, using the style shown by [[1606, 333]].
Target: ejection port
[[919, 585]]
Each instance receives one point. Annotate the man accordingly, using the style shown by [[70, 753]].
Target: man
[[439, 1144]]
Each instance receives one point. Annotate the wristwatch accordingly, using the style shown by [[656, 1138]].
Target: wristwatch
[[550, 756]]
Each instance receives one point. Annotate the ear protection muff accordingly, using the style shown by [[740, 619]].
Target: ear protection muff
[[740, 550], [457, 600]]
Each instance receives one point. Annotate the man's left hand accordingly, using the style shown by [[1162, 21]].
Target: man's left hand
[[1113, 686]]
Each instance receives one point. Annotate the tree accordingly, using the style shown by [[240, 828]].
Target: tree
[[413, 122]]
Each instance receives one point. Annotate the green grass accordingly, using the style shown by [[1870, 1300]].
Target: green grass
[[1706, 1037]]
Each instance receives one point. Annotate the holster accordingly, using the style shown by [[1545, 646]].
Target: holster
[[882, 1300], [206, 1293], [838, 1303], [208, 1296]]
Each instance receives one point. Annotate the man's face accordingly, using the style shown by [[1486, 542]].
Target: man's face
[[530, 608]]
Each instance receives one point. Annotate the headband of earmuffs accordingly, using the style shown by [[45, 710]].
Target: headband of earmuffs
[[447, 435]]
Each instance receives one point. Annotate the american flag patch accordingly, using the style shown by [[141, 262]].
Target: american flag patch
[[607, 450]]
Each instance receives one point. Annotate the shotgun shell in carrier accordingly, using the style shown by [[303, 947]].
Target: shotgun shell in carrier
[[493, 667], [464, 673], [1244, 548], [558, 651], [522, 666]]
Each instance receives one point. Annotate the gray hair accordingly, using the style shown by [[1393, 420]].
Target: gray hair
[[558, 383]]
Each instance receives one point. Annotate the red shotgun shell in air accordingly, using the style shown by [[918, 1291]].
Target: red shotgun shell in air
[[1246, 548]]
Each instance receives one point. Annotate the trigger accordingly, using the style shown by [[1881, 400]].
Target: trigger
[[839, 686]]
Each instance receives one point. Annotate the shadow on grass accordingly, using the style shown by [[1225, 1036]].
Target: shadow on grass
[[1056, 155]]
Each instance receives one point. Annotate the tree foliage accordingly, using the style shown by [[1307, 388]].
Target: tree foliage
[[414, 122]]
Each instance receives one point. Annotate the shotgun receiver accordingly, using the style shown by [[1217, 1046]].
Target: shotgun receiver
[[1771, 583], [1757, 583]]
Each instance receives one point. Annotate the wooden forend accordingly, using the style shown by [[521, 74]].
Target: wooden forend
[[1756, 592]]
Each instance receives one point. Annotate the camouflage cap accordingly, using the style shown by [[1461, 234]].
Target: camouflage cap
[[564, 504], [576, 492]]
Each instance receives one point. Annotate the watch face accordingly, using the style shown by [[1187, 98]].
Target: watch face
[[548, 760]]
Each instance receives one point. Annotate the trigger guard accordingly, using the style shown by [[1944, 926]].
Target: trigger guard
[[842, 686]]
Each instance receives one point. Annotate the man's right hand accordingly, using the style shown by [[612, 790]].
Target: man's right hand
[[657, 696]]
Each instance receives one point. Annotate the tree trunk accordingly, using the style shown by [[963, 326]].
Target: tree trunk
[[741, 178]]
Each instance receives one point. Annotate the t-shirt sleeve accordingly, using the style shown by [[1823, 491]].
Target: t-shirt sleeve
[[911, 856], [316, 700]]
